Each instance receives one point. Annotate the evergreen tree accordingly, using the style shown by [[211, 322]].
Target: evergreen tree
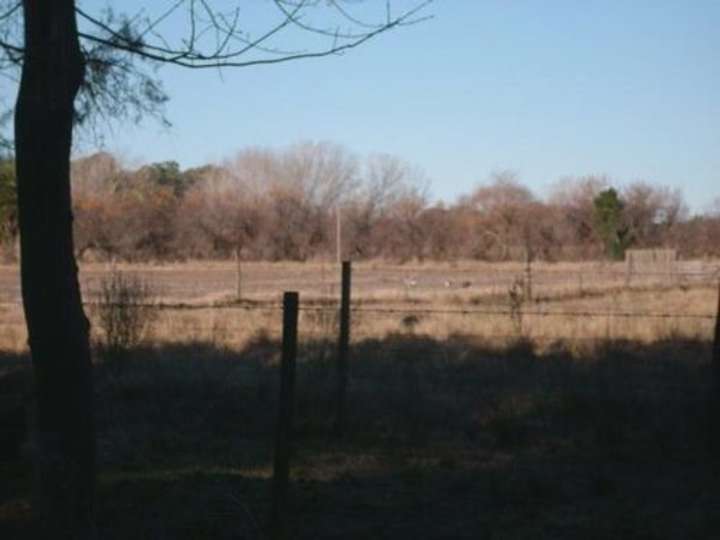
[[610, 223]]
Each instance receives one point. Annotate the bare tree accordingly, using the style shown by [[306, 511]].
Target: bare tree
[[325, 174], [573, 200], [652, 212], [296, 190], [94, 203], [225, 213], [502, 206], [59, 60], [386, 181], [404, 233]]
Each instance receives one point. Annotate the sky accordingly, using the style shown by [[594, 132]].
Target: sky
[[547, 88]]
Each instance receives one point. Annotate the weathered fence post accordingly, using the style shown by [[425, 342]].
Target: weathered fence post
[[629, 267], [283, 441], [343, 349], [338, 234], [528, 277], [238, 274]]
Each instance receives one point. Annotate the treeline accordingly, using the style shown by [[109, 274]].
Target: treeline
[[285, 204]]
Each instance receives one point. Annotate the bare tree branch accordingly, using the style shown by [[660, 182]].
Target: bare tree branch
[[203, 19], [122, 51]]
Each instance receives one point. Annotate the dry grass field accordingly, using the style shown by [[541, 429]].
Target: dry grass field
[[576, 303], [464, 421]]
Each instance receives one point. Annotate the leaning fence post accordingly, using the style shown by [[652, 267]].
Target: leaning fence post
[[283, 440], [343, 349]]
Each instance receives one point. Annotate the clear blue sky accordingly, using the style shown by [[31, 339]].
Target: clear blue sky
[[546, 88]]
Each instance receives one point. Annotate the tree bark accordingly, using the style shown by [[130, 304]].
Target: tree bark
[[64, 437]]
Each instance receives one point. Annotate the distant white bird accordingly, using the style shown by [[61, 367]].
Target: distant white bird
[[410, 282]]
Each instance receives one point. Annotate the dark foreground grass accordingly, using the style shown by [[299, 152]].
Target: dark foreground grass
[[444, 440]]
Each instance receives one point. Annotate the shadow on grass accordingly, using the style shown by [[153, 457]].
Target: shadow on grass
[[445, 439]]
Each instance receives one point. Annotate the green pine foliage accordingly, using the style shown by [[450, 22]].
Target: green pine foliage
[[610, 223]]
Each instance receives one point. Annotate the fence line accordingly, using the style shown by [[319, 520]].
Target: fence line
[[496, 337], [578, 314], [409, 310], [620, 272]]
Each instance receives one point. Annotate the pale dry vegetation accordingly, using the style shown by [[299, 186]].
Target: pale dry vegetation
[[574, 303], [284, 204]]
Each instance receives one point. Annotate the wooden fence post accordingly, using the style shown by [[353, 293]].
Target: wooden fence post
[[343, 349], [338, 234], [629, 267], [238, 273], [281, 466], [528, 292]]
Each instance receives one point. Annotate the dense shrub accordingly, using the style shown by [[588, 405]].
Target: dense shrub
[[125, 311]]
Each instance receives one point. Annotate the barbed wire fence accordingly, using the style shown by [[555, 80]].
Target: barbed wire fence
[[488, 307], [493, 310]]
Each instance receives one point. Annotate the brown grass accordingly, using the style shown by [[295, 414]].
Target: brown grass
[[384, 299]]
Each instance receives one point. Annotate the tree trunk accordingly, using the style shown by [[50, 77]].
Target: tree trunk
[[716, 355], [64, 437]]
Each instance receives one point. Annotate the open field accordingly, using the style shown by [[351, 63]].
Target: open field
[[208, 282], [587, 415], [570, 302]]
